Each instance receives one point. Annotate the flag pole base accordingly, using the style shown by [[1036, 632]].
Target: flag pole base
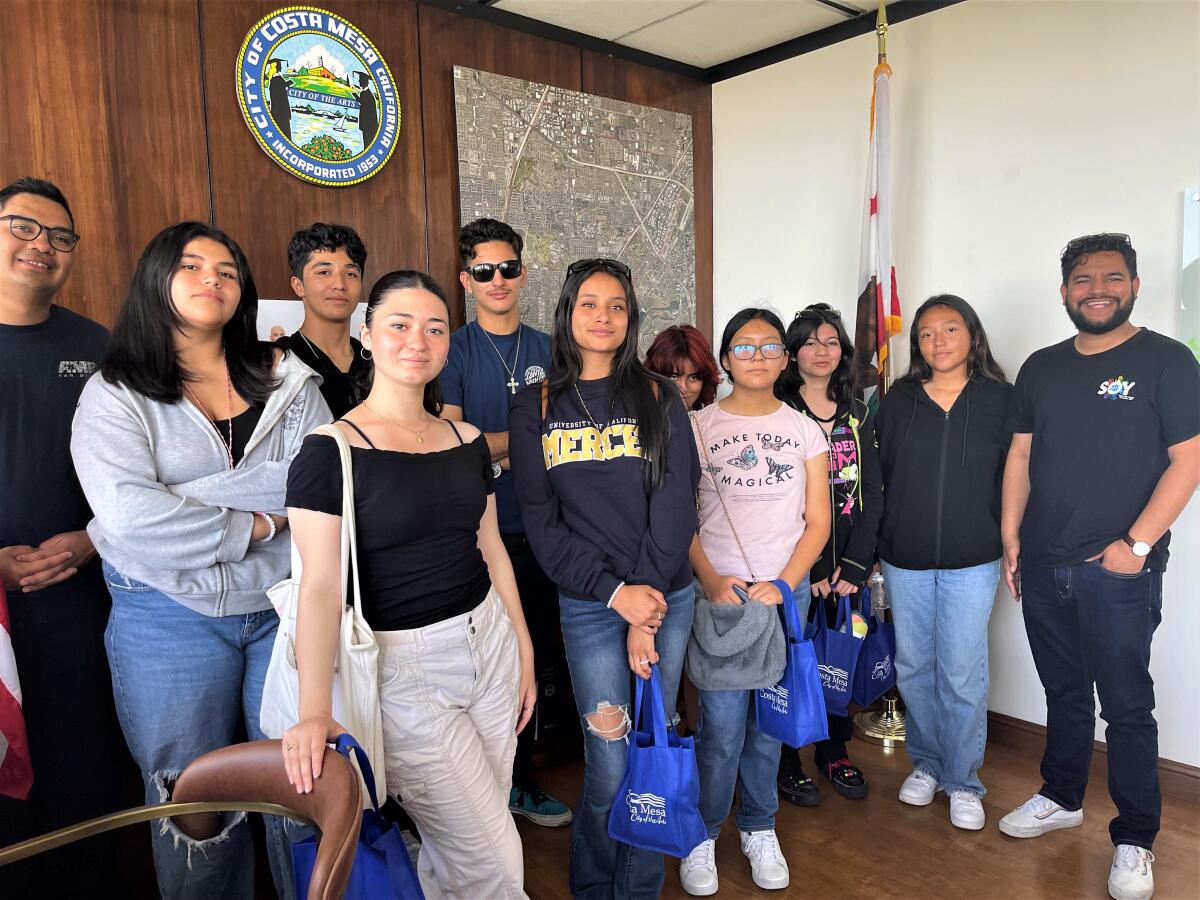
[[885, 726]]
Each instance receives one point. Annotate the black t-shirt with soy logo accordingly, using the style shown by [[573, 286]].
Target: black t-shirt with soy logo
[[1101, 426]]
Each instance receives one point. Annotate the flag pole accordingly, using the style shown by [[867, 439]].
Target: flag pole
[[881, 35], [881, 31]]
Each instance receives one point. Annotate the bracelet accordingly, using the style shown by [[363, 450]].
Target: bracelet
[[613, 595], [270, 534]]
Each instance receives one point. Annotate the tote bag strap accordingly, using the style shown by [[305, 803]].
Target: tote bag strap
[[789, 612], [843, 616], [346, 744], [713, 478], [349, 531], [658, 721]]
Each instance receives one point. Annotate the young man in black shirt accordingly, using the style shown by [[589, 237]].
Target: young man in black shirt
[[57, 602], [1105, 456], [327, 263]]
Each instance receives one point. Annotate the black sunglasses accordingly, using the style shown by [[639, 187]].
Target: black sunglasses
[[485, 272], [587, 265]]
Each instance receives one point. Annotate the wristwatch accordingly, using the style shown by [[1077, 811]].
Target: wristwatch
[[496, 470], [1139, 548]]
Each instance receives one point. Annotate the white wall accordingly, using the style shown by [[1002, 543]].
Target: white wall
[[1016, 126]]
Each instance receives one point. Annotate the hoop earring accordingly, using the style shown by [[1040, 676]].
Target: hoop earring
[[365, 353]]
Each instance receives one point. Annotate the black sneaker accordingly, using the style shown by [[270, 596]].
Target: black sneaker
[[538, 807], [848, 780], [794, 786]]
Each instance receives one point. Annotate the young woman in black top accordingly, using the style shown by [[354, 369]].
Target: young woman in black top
[[456, 662], [605, 470], [942, 444], [820, 384]]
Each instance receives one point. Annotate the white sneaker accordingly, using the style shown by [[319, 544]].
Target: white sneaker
[[1131, 876], [698, 870], [767, 865], [1037, 816], [966, 810], [918, 788]]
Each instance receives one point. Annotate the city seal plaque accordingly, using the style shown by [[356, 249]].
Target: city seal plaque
[[318, 96]]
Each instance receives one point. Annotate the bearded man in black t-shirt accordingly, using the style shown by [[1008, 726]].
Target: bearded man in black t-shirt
[[1105, 456], [57, 601]]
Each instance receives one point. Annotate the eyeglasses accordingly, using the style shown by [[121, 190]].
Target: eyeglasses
[[26, 229], [1103, 236], [746, 352], [587, 265], [485, 272]]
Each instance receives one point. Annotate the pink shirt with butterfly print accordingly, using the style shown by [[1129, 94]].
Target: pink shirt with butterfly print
[[757, 462]]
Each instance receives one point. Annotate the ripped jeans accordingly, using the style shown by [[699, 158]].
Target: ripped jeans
[[183, 682], [594, 636]]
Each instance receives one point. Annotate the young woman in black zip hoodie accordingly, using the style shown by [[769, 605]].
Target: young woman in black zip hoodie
[[942, 443], [820, 384]]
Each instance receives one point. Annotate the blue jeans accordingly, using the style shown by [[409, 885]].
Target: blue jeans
[[730, 750], [183, 682], [1088, 626], [594, 636], [941, 618]]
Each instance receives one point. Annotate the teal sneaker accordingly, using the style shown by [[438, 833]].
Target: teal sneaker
[[538, 807]]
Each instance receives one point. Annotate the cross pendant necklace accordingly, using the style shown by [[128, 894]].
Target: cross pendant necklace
[[511, 384]]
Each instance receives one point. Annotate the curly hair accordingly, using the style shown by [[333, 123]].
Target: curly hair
[[1108, 242], [679, 348]]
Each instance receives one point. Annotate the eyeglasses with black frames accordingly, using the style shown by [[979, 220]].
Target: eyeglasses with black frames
[[24, 228]]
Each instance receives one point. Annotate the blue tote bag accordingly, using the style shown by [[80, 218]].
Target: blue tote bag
[[837, 651], [793, 711], [876, 671], [382, 868], [657, 806]]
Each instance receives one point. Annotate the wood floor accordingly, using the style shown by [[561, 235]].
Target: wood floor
[[880, 848]]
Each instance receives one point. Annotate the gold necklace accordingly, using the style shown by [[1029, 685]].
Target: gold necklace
[[417, 432]]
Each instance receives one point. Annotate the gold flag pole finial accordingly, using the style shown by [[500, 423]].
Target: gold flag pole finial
[[881, 30]]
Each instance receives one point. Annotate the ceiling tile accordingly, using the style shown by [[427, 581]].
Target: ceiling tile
[[606, 19]]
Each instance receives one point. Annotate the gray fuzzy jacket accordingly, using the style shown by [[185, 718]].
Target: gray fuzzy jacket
[[168, 510]]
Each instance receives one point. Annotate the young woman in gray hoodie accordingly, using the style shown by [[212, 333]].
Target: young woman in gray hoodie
[[182, 443]]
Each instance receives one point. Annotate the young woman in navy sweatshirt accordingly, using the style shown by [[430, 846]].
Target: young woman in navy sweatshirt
[[605, 470], [942, 443]]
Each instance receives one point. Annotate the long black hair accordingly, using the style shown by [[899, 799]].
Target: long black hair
[[632, 383], [142, 355], [398, 281], [842, 387], [979, 360]]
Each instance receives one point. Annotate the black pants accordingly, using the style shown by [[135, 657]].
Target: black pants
[[555, 710], [1086, 627], [81, 767]]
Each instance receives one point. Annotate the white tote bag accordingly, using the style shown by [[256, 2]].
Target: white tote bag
[[356, 666]]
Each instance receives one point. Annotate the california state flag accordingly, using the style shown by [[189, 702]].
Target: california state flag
[[878, 302], [16, 771]]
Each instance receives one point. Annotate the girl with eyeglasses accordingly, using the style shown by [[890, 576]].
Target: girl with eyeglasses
[[605, 469], [943, 444], [820, 385], [763, 517]]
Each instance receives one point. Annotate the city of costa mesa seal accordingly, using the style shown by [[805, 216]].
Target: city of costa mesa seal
[[317, 96]]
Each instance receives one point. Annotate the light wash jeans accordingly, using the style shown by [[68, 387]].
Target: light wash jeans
[[448, 692], [183, 682], [941, 618], [594, 636]]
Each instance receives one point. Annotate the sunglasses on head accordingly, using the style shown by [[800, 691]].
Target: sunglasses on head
[[485, 272], [1103, 236], [818, 311], [587, 265]]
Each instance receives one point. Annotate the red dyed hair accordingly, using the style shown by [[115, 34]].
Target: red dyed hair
[[679, 348]]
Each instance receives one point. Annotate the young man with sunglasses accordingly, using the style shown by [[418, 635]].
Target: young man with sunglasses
[[327, 263], [57, 603], [491, 358], [1105, 456]]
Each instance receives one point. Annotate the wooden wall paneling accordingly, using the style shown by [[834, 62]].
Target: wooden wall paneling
[[260, 204], [449, 40], [633, 83], [156, 120]]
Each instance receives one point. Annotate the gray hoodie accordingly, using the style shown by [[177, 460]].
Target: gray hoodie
[[169, 511]]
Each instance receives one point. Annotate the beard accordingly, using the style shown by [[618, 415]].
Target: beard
[[1118, 318]]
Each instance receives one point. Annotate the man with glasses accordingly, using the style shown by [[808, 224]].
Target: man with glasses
[[57, 601], [1105, 456], [491, 358]]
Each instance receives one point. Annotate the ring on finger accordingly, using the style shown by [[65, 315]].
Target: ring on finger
[[290, 746]]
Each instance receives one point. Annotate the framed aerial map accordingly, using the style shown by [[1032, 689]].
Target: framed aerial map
[[581, 176]]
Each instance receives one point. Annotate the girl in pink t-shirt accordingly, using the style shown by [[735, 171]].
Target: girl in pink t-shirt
[[763, 515]]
